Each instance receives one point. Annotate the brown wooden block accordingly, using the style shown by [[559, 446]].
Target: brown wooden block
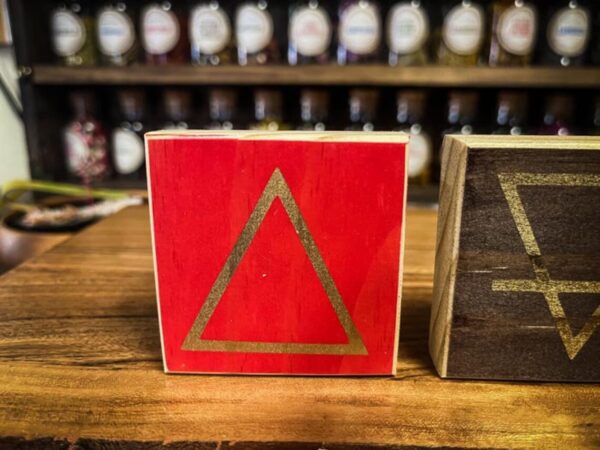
[[517, 272]]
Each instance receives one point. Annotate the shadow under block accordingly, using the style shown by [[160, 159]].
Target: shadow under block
[[278, 253], [517, 271]]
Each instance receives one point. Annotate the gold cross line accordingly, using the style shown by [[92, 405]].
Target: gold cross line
[[543, 284]]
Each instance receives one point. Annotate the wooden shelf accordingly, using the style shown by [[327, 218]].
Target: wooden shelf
[[380, 75], [81, 368]]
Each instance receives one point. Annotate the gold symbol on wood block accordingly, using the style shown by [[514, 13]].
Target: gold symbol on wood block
[[275, 188], [543, 284]]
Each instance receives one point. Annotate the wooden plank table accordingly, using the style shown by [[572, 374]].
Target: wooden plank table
[[80, 367]]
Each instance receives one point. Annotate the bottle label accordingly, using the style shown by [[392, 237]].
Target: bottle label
[[517, 29], [419, 154], [310, 31], [160, 30], [78, 152], [253, 28], [568, 31], [210, 30], [463, 29], [407, 28], [68, 33], [116, 34], [128, 151], [360, 28]]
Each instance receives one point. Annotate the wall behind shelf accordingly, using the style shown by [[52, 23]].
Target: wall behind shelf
[[13, 154]]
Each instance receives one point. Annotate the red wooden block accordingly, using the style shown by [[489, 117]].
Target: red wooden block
[[278, 253]]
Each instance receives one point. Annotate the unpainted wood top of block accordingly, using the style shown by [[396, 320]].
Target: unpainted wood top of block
[[527, 142], [309, 136]]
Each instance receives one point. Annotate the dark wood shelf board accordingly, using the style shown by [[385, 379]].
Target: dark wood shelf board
[[379, 75]]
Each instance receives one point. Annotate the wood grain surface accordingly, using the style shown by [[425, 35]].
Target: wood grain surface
[[80, 368], [523, 212], [448, 232]]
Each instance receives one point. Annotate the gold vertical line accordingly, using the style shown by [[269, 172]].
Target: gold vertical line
[[321, 270], [509, 186], [233, 260]]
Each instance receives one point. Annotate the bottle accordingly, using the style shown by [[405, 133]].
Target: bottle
[[359, 31], [512, 112], [309, 33], [407, 34], [117, 41], [567, 34], [314, 106], [177, 105], [462, 34], [514, 31], [210, 34], [462, 110], [72, 27], [221, 109], [363, 108], [558, 115], [595, 50], [410, 113], [128, 153], [85, 143], [164, 34], [595, 131], [255, 34], [268, 111]]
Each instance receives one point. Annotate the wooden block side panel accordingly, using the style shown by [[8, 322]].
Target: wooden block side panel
[[526, 303], [446, 257]]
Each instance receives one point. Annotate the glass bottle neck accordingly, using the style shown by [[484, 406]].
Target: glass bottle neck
[[267, 112], [313, 106], [219, 112], [268, 106], [362, 108], [457, 117]]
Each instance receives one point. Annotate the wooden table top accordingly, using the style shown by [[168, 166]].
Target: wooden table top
[[80, 363]]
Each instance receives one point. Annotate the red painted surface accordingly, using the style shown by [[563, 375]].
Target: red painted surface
[[351, 196]]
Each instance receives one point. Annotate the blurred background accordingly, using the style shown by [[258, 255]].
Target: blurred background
[[82, 81], [13, 151]]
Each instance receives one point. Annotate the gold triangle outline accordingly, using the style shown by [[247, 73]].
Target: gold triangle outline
[[276, 187], [551, 289]]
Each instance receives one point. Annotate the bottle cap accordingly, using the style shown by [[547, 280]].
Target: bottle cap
[[177, 104], [268, 104], [132, 103], [512, 108], [363, 104], [411, 106], [83, 103], [314, 105], [560, 107], [462, 107], [222, 104]]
